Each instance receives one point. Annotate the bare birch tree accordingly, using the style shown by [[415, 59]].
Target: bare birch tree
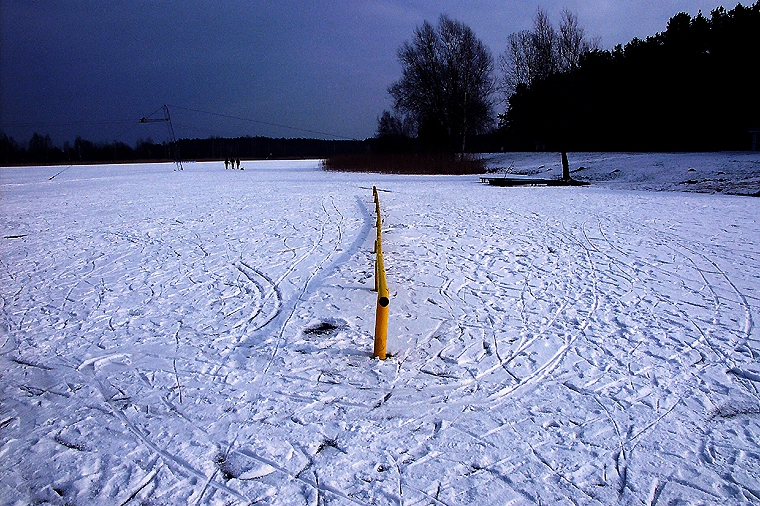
[[516, 62], [544, 39], [536, 54], [572, 42]]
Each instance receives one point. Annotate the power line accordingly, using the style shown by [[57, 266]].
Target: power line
[[67, 123], [172, 138], [132, 123], [342, 137]]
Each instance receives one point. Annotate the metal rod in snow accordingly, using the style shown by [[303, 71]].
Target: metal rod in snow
[[61, 172]]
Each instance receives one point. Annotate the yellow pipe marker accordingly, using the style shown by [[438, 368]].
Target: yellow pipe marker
[[381, 315], [377, 274], [381, 287]]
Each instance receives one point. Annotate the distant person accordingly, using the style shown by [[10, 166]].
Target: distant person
[[237, 161], [226, 163]]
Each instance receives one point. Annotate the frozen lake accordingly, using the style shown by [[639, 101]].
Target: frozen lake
[[205, 336]]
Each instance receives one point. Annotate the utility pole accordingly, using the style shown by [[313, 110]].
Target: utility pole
[[172, 139]]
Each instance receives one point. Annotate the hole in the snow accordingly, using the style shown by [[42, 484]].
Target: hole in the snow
[[324, 327]]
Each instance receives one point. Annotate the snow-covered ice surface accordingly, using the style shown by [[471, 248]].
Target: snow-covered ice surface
[[730, 173], [204, 337]]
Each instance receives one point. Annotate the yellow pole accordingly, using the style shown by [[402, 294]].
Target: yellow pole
[[379, 252], [379, 241], [381, 315], [377, 276], [381, 287], [382, 291]]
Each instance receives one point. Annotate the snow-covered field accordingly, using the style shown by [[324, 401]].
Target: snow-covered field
[[205, 336]]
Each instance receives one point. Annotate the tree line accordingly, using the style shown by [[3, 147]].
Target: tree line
[[691, 87], [40, 149]]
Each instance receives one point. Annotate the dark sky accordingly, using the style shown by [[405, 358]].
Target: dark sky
[[322, 68]]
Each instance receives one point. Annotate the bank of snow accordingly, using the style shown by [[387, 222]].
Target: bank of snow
[[204, 337]]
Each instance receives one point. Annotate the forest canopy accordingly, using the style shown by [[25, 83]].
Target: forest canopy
[[690, 88]]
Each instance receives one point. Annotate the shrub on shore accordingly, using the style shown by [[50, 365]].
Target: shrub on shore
[[406, 163]]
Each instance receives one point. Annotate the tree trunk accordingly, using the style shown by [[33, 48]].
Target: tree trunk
[[565, 167]]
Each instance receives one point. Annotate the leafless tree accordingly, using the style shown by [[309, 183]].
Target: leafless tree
[[517, 61], [446, 84], [544, 38], [572, 42], [536, 54], [392, 125]]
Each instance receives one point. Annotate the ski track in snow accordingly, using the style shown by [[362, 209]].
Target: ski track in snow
[[205, 337]]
